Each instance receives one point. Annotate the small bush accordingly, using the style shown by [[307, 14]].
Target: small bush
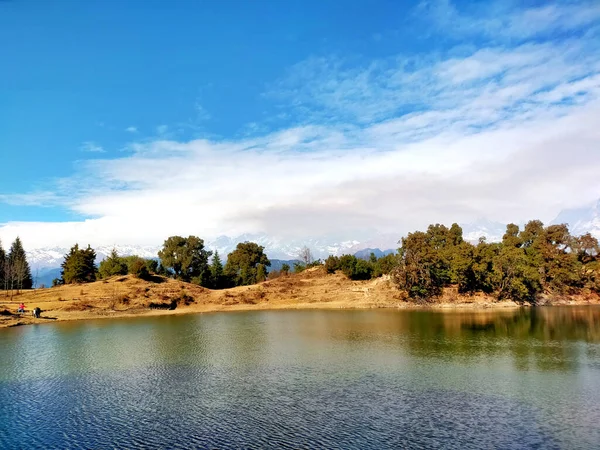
[[332, 263], [299, 267], [140, 270]]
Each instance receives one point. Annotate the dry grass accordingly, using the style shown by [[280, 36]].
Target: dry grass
[[128, 296]]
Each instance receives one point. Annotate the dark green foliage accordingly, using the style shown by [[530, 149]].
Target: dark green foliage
[[430, 260], [79, 265], [3, 268], [243, 263], [218, 280], [354, 268], [186, 258], [113, 265], [332, 263], [299, 267], [359, 269], [139, 269], [384, 265], [285, 269], [19, 271], [526, 264], [152, 266], [261, 273]]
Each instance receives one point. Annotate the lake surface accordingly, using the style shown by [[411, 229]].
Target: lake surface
[[378, 379]]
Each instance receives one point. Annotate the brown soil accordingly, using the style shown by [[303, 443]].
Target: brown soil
[[126, 296]]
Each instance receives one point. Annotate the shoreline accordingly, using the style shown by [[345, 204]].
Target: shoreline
[[52, 317], [129, 297]]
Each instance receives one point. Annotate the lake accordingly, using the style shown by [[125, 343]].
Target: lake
[[377, 379]]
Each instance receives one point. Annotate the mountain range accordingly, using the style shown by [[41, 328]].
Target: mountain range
[[45, 262]]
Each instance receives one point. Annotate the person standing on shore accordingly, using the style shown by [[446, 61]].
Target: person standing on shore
[[21, 308]]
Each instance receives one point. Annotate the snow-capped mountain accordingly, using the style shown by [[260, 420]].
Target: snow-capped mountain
[[581, 220], [49, 258], [491, 231], [275, 248]]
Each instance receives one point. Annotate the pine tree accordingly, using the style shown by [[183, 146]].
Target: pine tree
[[79, 265], [113, 265], [216, 272], [2, 267], [19, 267]]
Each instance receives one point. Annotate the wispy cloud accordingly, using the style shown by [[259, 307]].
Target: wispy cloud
[[201, 112], [91, 147], [506, 22], [506, 129], [131, 129]]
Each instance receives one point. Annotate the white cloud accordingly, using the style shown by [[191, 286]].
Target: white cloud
[[131, 129], [508, 132], [91, 147]]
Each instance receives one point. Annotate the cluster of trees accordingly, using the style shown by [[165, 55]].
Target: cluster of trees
[[525, 265], [185, 259], [15, 273], [360, 269]]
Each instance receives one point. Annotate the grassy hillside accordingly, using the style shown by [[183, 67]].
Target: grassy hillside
[[126, 296]]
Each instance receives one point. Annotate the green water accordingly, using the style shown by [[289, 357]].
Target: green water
[[527, 378]]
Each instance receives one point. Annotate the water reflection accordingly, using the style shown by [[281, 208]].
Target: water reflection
[[542, 337], [351, 379]]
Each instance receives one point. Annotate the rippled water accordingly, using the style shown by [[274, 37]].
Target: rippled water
[[306, 379]]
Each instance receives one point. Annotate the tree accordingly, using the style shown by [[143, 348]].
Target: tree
[[353, 267], [261, 273], [242, 264], [19, 267], [586, 247], [332, 263], [423, 268], [3, 262], [305, 256], [79, 265], [113, 265], [513, 277], [216, 272], [139, 269], [285, 268], [385, 265], [186, 258]]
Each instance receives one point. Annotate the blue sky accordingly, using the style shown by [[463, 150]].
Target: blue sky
[[299, 117]]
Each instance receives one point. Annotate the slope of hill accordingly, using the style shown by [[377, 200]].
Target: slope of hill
[[128, 296]]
